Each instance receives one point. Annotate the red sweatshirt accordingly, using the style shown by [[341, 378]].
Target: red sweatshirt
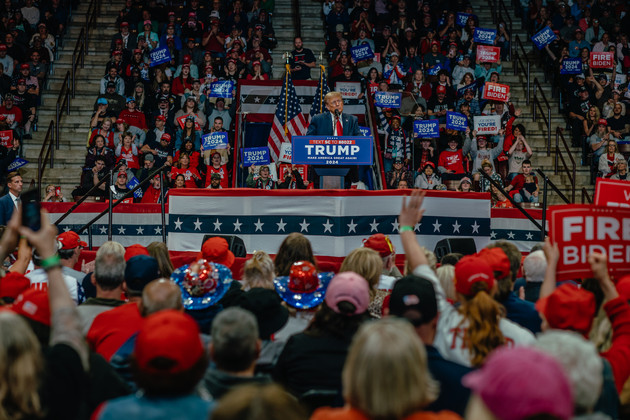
[[112, 328], [452, 160], [618, 311]]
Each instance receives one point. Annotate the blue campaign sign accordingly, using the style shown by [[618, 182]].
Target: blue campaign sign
[[365, 131], [131, 184], [361, 52], [544, 37], [426, 128], [462, 90], [456, 121], [222, 89], [388, 99], [485, 36], [327, 150], [217, 140], [159, 56], [433, 71], [255, 156], [16, 164], [462, 18], [571, 66]]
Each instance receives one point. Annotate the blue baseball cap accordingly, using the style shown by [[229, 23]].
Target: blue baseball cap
[[101, 101], [131, 99]]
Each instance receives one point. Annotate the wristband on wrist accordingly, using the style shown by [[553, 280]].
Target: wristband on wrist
[[51, 262], [406, 229]]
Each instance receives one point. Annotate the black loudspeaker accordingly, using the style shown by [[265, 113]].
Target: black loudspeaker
[[464, 246], [236, 244]]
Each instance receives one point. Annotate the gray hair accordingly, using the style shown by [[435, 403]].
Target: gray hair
[[234, 339], [534, 267], [581, 362], [109, 266]]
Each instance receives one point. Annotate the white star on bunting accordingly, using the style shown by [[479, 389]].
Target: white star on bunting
[[395, 227], [158, 230], [511, 235], [475, 227], [493, 235], [328, 226], [281, 226], [237, 225], [103, 230], [436, 226], [258, 225], [178, 224], [417, 227], [66, 229], [456, 227], [217, 225], [140, 230], [529, 236], [374, 226], [121, 230], [304, 226], [197, 224], [352, 226]]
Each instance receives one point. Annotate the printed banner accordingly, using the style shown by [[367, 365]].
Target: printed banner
[[543, 38], [456, 121], [332, 151], [217, 140], [474, 85], [285, 169], [222, 89], [182, 120], [361, 52], [255, 156], [159, 56], [488, 54], [611, 193], [462, 18], [433, 71], [601, 60], [495, 92], [580, 230], [511, 225], [571, 66], [334, 221], [348, 89], [6, 138], [365, 131], [426, 128], [485, 36], [487, 124], [620, 79], [16, 164], [131, 183], [285, 153], [388, 99]]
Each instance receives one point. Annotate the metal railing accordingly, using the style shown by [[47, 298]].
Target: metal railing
[[559, 155], [46, 155], [63, 102], [297, 19], [537, 105], [377, 166], [586, 197], [521, 63]]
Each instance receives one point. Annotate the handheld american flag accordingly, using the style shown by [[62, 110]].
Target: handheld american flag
[[288, 120], [322, 90]]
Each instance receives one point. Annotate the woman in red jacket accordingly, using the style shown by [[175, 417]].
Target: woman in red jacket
[[128, 151], [217, 168], [191, 175], [183, 82]]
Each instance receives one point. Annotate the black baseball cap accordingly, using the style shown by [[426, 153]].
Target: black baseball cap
[[413, 298]]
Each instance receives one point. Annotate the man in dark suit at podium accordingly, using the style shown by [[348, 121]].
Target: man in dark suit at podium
[[328, 123], [335, 123]]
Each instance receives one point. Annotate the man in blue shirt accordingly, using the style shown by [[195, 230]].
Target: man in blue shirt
[[578, 43]]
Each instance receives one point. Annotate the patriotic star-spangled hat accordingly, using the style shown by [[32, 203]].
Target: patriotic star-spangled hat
[[304, 287], [202, 283]]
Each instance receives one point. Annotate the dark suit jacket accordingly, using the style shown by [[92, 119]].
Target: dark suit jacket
[[6, 209], [321, 125]]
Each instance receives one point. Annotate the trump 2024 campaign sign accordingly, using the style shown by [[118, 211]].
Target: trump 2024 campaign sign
[[580, 230], [328, 150]]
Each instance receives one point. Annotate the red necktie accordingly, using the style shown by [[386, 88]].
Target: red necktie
[[339, 127]]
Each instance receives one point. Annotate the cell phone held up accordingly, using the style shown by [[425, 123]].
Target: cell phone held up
[[31, 217]]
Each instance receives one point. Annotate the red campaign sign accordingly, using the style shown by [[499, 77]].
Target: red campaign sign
[[601, 60], [488, 54], [6, 138], [611, 193], [495, 92], [285, 168], [181, 120], [580, 230]]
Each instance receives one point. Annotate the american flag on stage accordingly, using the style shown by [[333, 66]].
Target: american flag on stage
[[322, 90], [289, 120]]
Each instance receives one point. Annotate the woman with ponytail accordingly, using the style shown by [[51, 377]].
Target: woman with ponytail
[[469, 333], [259, 271]]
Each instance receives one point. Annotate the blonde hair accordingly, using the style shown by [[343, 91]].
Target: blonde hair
[[258, 402], [331, 95], [159, 251], [259, 271], [21, 367], [386, 374], [445, 274], [365, 262]]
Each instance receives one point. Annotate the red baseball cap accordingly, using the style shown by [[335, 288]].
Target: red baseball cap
[[602, 121], [441, 89], [568, 308], [135, 249], [25, 66], [34, 305], [470, 270], [187, 58], [166, 137], [124, 24], [497, 260], [381, 244], [160, 118], [70, 240], [171, 335], [120, 121], [217, 250], [117, 52], [3, 47], [12, 284], [121, 173]]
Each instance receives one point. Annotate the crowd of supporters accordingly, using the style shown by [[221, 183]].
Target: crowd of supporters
[[595, 100], [141, 333]]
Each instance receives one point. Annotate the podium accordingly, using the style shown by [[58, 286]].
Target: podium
[[331, 178]]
